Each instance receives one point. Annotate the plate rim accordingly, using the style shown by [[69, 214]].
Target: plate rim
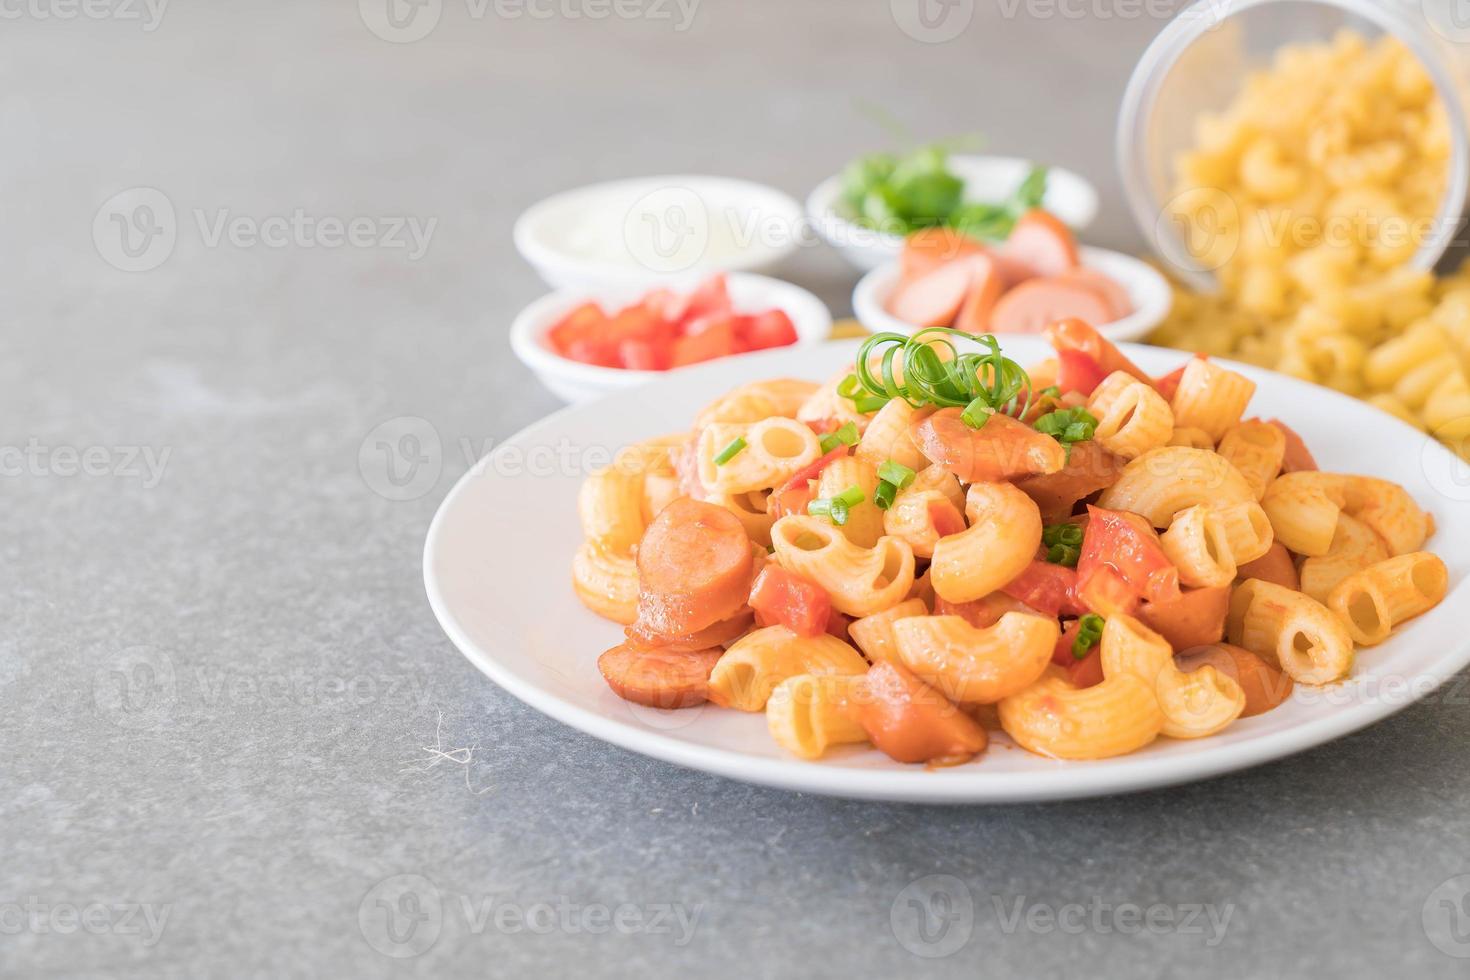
[[1065, 780]]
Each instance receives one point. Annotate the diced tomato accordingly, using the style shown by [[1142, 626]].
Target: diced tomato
[[711, 297], [792, 600], [1075, 335], [772, 328], [666, 304], [643, 355], [1078, 372], [1123, 545], [583, 323], [946, 519], [1088, 671], [1047, 588], [592, 350], [793, 495], [1106, 593], [1169, 383], [637, 322], [716, 339]]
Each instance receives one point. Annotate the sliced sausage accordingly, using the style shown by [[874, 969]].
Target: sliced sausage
[[1298, 456], [718, 634], [1265, 687], [982, 613], [986, 288], [1120, 304], [1274, 566], [1090, 468], [1041, 242], [932, 299], [1037, 303], [1000, 449], [911, 721], [1193, 618], [659, 678], [926, 250], [695, 566]]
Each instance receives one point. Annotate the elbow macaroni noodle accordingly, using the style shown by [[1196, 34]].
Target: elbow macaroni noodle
[[956, 613]]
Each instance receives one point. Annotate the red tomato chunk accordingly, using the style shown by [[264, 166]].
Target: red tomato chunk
[[665, 330]]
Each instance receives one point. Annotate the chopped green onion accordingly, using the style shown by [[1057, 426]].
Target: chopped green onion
[[1064, 554], [849, 387], [976, 414], [845, 436], [1054, 534], [895, 473], [1050, 391], [1089, 632], [937, 372], [883, 496], [730, 451], [836, 508], [1068, 425], [868, 404]]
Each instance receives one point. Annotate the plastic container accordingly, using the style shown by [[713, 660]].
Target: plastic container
[[1197, 65]]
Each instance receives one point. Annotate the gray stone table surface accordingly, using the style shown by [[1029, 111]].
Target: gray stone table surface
[[218, 668]]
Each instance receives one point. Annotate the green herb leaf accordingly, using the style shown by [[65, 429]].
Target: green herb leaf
[[1031, 191]]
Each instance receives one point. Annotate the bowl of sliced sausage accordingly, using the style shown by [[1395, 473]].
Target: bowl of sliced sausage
[[1037, 276]]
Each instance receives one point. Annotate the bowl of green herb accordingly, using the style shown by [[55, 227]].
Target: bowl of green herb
[[866, 211]]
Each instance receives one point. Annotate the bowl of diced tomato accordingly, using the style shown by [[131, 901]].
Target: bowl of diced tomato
[[1035, 277], [583, 344]]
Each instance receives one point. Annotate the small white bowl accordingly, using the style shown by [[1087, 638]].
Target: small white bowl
[[648, 229], [1147, 289], [987, 179], [574, 381]]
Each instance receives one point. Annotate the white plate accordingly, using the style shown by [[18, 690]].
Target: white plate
[[987, 179], [1147, 290], [574, 381], [650, 228], [496, 569]]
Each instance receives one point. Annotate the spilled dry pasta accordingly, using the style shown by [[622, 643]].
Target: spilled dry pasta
[[937, 542]]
